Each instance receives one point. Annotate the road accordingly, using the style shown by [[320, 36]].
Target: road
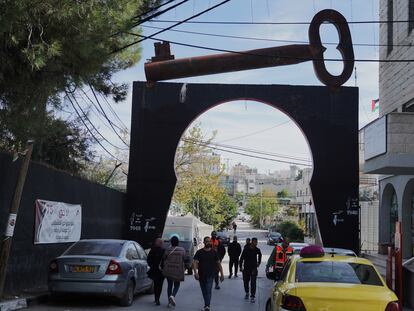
[[229, 297]]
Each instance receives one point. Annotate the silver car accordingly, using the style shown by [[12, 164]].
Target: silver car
[[105, 267]]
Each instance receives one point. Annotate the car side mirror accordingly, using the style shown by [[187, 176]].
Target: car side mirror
[[272, 276]]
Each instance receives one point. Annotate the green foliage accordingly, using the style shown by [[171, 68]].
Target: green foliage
[[266, 207], [198, 188], [291, 231], [49, 47], [283, 194]]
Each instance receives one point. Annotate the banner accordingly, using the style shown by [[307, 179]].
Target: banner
[[57, 222]]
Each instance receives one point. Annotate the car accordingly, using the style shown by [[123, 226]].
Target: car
[[223, 237], [273, 238], [339, 251], [315, 281], [297, 247], [115, 268]]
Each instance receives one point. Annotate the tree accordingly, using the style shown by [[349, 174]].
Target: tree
[[198, 188], [291, 231], [263, 207], [283, 194], [52, 47]]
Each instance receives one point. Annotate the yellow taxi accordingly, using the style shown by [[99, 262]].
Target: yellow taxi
[[315, 281]]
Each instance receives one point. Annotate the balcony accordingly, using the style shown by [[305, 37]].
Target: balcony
[[389, 145]]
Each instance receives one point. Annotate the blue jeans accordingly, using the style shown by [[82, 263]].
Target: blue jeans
[[206, 288], [170, 290]]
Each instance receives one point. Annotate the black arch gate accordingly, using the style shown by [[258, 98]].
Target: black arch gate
[[327, 116]]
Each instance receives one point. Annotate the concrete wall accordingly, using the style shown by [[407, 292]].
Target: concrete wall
[[369, 226], [403, 185], [102, 217], [396, 79]]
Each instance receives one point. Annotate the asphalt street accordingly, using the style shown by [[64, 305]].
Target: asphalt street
[[229, 297]]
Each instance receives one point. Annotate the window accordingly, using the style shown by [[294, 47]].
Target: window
[[390, 26], [95, 248], [141, 252], [131, 253], [336, 272], [285, 271], [410, 15], [393, 215]]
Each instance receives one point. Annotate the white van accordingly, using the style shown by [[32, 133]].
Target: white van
[[190, 232]]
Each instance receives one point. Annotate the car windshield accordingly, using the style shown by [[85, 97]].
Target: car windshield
[[221, 235], [336, 272], [275, 235], [182, 233], [95, 248]]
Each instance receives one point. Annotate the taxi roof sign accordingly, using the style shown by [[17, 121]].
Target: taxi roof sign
[[312, 251]]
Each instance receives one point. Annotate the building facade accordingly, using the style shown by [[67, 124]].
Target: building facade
[[389, 140]]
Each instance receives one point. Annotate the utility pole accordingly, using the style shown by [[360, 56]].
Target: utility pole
[[261, 204], [14, 208]]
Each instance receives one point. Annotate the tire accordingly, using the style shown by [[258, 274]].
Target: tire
[[128, 298], [268, 306], [190, 271]]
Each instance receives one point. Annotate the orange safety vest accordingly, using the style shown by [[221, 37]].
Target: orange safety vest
[[215, 243], [282, 256]]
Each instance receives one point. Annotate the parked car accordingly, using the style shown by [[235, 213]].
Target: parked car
[[315, 281], [339, 251], [105, 267], [297, 246], [223, 237], [273, 238]]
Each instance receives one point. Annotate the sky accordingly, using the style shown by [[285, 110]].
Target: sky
[[265, 128]]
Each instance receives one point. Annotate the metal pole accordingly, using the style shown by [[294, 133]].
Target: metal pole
[[14, 208], [261, 205]]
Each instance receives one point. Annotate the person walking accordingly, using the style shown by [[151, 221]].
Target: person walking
[[234, 250], [155, 263], [234, 227], [174, 269], [250, 260], [206, 263], [279, 257], [221, 251], [247, 243]]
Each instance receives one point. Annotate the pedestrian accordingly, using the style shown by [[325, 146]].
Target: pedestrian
[[174, 269], [205, 265], [221, 251], [155, 272], [250, 260], [234, 227], [247, 243], [279, 257], [234, 250]]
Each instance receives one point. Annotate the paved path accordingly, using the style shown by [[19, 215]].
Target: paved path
[[229, 298]]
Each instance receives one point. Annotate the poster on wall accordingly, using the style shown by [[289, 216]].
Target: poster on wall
[[57, 222]]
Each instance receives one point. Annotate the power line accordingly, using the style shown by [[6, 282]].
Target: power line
[[250, 150], [283, 23], [89, 130], [153, 9], [170, 27], [249, 155], [106, 117], [256, 132], [148, 18], [125, 128], [271, 40], [93, 126], [278, 56]]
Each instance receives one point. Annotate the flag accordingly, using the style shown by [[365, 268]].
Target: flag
[[375, 105]]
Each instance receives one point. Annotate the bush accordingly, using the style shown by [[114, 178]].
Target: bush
[[291, 231]]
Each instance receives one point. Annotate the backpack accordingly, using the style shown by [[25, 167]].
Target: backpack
[[174, 265]]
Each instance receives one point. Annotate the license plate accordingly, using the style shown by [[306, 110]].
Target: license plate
[[82, 269]]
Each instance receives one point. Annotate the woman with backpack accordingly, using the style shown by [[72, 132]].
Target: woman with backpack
[[173, 269]]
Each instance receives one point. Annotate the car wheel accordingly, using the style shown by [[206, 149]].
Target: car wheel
[[128, 297], [268, 306], [190, 271]]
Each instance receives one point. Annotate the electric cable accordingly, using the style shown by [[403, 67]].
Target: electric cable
[[170, 27], [148, 18], [125, 128], [153, 9]]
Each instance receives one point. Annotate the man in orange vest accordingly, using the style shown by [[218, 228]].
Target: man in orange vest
[[279, 257], [221, 251]]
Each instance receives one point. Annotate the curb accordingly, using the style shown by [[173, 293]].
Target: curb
[[22, 303]]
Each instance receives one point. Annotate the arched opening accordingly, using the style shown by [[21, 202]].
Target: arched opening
[[408, 219], [257, 156], [390, 213]]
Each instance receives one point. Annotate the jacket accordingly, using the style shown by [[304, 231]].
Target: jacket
[[234, 250]]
